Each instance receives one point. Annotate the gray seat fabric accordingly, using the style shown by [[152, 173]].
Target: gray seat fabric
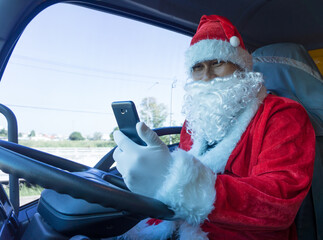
[[290, 72]]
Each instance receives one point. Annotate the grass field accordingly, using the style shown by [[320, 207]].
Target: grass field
[[83, 143], [31, 190], [26, 189], [67, 143]]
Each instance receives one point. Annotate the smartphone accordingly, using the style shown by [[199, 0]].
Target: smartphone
[[127, 117]]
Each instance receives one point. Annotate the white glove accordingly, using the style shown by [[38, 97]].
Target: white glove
[[143, 168]]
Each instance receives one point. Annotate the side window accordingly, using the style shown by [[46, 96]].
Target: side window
[[65, 71]]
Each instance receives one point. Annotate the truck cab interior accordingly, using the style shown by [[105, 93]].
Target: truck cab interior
[[92, 202]]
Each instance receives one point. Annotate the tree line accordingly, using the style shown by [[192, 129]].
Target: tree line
[[154, 114]]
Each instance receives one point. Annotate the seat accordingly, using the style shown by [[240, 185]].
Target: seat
[[290, 72]]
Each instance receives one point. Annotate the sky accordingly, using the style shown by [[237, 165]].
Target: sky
[[71, 63]]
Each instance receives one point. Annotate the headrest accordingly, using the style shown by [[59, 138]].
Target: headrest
[[290, 72]]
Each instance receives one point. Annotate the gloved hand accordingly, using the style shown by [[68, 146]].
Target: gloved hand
[[143, 168]]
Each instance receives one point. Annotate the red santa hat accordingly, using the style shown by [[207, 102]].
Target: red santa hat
[[216, 38]]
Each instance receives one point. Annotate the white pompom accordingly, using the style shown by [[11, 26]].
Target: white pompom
[[234, 41]]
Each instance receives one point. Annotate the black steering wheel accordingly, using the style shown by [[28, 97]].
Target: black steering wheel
[[77, 180]]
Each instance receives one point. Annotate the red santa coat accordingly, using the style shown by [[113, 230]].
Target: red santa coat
[[249, 186], [266, 177]]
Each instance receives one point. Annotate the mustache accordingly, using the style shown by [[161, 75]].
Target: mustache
[[220, 82]]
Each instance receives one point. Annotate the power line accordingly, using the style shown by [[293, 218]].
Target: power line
[[86, 74], [59, 109], [86, 69]]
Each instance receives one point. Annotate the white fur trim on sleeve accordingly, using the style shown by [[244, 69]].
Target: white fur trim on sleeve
[[189, 232], [189, 188], [144, 231]]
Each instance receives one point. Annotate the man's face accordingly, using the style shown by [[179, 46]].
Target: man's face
[[212, 104], [208, 70]]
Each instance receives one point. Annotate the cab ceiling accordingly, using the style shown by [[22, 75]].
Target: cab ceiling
[[260, 22]]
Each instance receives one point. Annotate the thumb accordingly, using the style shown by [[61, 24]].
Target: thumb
[[148, 135]]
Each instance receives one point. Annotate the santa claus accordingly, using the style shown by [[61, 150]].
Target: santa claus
[[245, 159]]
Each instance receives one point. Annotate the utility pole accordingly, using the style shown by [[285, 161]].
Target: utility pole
[[171, 107]]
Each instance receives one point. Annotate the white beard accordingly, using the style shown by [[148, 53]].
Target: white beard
[[212, 107]]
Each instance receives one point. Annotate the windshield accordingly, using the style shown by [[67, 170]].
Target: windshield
[[66, 71]]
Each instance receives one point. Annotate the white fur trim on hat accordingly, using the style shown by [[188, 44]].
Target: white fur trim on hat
[[189, 188], [211, 49]]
